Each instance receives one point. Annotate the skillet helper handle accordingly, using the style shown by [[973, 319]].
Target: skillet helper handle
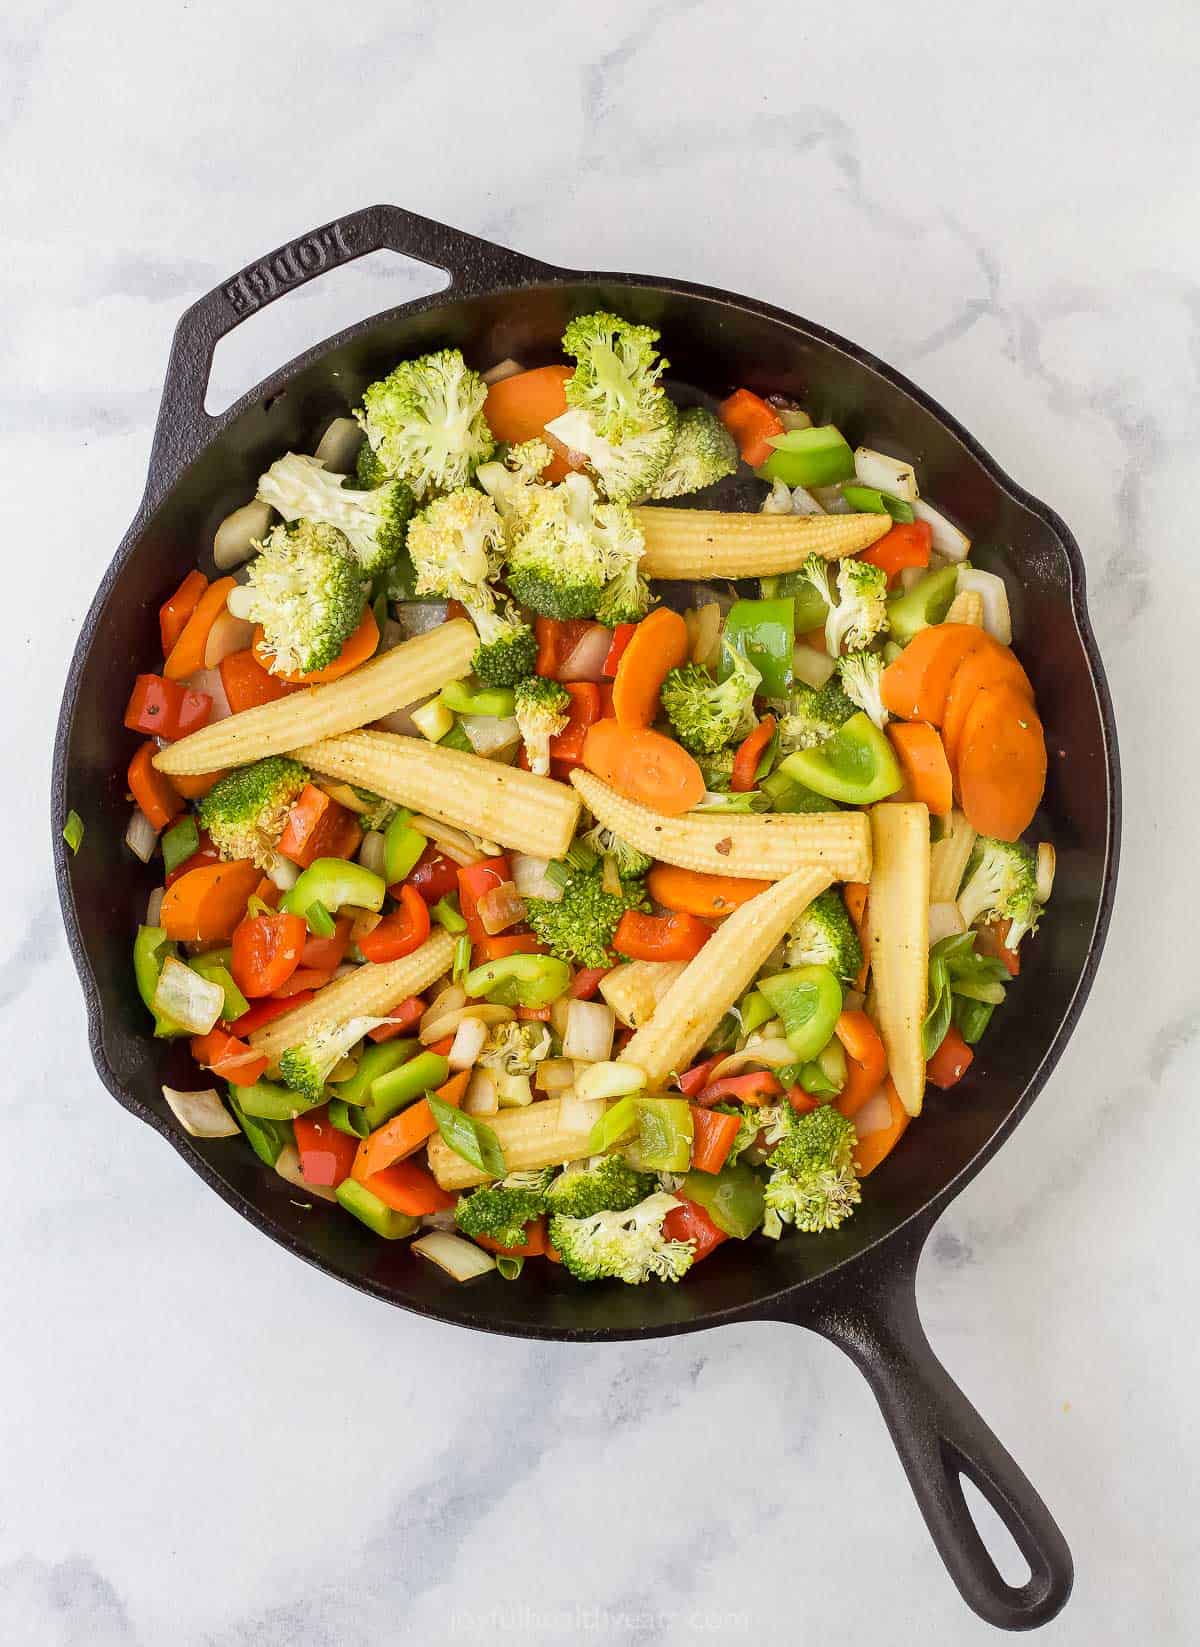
[[473, 265], [940, 1437]]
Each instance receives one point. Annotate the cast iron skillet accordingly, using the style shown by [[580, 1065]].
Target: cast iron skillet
[[855, 1287]]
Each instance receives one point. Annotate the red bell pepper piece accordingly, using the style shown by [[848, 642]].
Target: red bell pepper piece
[[407, 1186], [160, 708], [754, 1087], [306, 980], [621, 637], [403, 1017], [556, 638], [326, 1155], [585, 985], [247, 683], [802, 1102], [266, 952], [401, 932], [473, 881], [909, 543], [265, 1012], [175, 611], [317, 827], [951, 1061], [713, 1133], [660, 937], [690, 1222], [695, 1079], [228, 1057], [750, 752], [435, 876], [567, 745], [327, 954], [493, 946]]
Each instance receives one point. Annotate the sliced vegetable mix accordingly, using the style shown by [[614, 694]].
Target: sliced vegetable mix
[[526, 867]]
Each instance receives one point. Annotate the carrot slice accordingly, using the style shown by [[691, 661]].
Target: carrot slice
[[866, 1061], [151, 789], [915, 686], [993, 665], [645, 766], [923, 762], [688, 892], [187, 654], [881, 1141], [175, 611], [356, 649], [404, 1134], [658, 645], [1001, 763], [519, 407], [752, 423], [856, 895], [206, 904], [193, 786], [247, 683]]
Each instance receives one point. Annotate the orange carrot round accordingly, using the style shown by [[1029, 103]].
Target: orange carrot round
[[645, 766], [1001, 763], [923, 762], [206, 904], [658, 645], [915, 686], [993, 665], [151, 789], [881, 1141], [856, 896], [356, 649], [866, 1061], [187, 654], [519, 407], [689, 892], [194, 785]]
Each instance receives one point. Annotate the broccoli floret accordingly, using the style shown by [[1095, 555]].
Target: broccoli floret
[[373, 522], [1001, 885], [306, 1068], [369, 472], [502, 1210], [814, 715], [508, 647], [306, 589], [717, 769], [628, 859], [859, 613], [825, 936], [626, 597], [510, 484], [622, 1246], [704, 452], [580, 925], [704, 715], [604, 1184], [377, 812], [425, 422], [515, 1048], [457, 544], [813, 1184], [542, 711], [768, 1122], [558, 563], [861, 675], [246, 811]]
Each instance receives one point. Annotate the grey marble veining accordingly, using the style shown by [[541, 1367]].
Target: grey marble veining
[[204, 1444]]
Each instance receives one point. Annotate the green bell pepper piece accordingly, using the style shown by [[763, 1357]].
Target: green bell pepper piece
[[497, 701], [320, 922], [664, 1139], [151, 947], [402, 847], [179, 842], [869, 500], [755, 1010], [348, 1118], [375, 1061], [456, 738], [266, 1138], [971, 1017], [520, 980], [808, 457], [809, 1000], [334, 882], [809, 610], [392, 1092], [271, 1101], [825, 1075], [215, 967], [372, 1212], [855, 765], [926, 603], [447, 914], [764, 631], [787, 795], [732, 1198]]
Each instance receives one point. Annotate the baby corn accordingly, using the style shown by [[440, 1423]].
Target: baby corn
[[763, 846], [546, 1134], [704, 543], [501, 803], [369, 992], [966, 607], [709, 985], [900, 940], [634, 989], [409, 671]]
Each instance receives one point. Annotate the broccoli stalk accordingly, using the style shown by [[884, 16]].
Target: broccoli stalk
[[306, 1068], [425, 422], [1001, 885], [306, 590], [515, 1048], [502, 1211], [813, 1184], [456, 544], [704, 715], [607, 1183], [373, 522], [246, 811], [859, 613], [861, 675], [626, 1245], [508, 647], [581, 924], [542, 711], [825, 936], [704, 452]]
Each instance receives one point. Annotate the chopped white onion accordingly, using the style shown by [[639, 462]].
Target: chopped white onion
[[886, 474], [609, 1080], [201, 1114], [704, 630], [947, 539], [446, 1000], [764, 1052], [554, 1076], [831, 500], [558, 1015], [283, 873], [141, 837], [432, 720], [778, 500], [810, 666], [585, 661], [462, 1260], [209, 680], [804, 503], [499, 908], [1047, 860], [192, 1002], [362, 921], [288, 1168], [469, 1040], [228, 634], [480, 1097], [945, 921], [154, 905], [579, 1115], [997, 619], [400, 721], [531, 878], [590, 1029], [239, 534], [454, 843], [338, 446], [370, 853], [489, 734], [508, 367], [875, 1114], [512, 1091], [447, 1023]]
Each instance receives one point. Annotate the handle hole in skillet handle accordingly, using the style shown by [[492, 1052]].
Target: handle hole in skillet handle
[[345, 293], [1011, 1563]]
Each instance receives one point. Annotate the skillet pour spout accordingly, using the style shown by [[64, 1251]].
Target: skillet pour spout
[[855, 1286]]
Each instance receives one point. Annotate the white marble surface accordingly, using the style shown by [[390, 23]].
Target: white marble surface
[[202, 1441]]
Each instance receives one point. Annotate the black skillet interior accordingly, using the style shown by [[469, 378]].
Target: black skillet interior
[[500, 305]]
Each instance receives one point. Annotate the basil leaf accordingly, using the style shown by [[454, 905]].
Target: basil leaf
[[473, 1139], [937, 1019]]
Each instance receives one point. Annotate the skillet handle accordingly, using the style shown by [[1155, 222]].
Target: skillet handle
[[472, 264], [940, 1437]]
